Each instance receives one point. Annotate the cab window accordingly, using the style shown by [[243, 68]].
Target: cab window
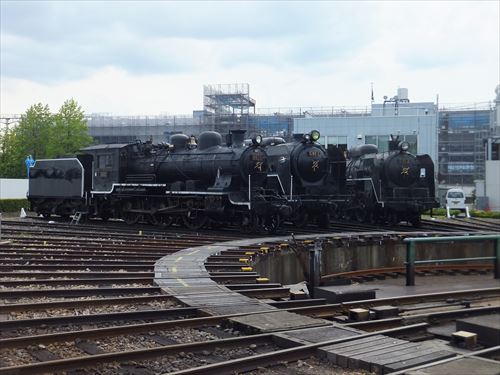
[[104, 161]]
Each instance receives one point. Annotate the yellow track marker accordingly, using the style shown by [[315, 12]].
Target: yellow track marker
[[249, 252], [247, 269], [243, 260], [262, 280], [308, 241]]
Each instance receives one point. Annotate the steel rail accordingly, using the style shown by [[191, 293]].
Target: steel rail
[[74, 281], [5, 267], [71, 304], [329, 309], [430, 316], [294, 353], [83, 262], [90, 250], [313, 311], [241, 364], [101, 317], [402, 270], [133, 355], [80, 292], [78, 303], [90, 275], [63, 256]]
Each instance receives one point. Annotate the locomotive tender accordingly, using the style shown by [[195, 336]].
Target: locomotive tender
[[196, 183], [390, 186]]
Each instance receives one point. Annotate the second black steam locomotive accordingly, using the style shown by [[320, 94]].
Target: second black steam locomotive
[[310, 177]]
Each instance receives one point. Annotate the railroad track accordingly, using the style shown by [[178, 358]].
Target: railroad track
[[117, 227], [85, 298]]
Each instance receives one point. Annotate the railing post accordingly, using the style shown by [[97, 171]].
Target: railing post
[[410, 263], [497, 259], [315, 266]]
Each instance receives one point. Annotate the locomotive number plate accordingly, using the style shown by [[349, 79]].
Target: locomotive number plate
[[313, 154]]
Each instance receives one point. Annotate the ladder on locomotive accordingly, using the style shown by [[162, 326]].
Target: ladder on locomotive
[[77, 217]]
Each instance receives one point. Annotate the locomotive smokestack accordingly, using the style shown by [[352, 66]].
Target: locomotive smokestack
[[394, 142], [298, 136], [237, 137]]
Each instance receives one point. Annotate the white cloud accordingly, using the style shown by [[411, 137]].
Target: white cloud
[[301, 54]]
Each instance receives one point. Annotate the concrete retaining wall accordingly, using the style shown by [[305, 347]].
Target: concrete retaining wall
[[283, 267]]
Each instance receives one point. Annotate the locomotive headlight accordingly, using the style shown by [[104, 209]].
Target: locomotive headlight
[[315, 135], [257, 140], [404, 146]]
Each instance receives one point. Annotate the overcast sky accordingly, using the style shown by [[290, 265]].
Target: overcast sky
[[141, 57]]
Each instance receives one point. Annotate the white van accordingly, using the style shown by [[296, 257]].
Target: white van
[[455, 200]]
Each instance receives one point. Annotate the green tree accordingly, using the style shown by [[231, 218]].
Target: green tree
[[11, 159], [42, 135], [70, 131], [34, 131], [30, 137]]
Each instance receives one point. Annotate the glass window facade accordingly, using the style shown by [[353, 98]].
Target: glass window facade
[[461, 149], [382, 142]]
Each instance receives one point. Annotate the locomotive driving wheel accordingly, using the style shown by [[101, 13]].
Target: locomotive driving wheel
[[163, 220], [323, 220], [270, 223], [128, 216], [300, 219], [131, 217], [416, 221], [194, 218], [250, 223]]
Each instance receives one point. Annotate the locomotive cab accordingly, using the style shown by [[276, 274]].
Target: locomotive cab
[[109, 165]]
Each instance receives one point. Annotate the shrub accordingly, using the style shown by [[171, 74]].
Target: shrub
[[485, 214], [473, 213], [13, 205]]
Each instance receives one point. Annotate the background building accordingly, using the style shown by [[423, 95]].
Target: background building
[[462, 140], [415, 123], [461, 155], [492, 170]]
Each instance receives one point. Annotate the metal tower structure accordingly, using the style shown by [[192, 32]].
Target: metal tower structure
[[227, 106]]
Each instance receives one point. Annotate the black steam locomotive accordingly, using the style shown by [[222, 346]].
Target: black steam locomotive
[[255, 184], [307, 175], [389, 187], [195, 182]]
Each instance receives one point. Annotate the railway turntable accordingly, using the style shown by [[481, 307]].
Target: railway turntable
[[110, 299]]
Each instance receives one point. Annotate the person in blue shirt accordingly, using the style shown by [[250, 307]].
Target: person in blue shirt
[[30, 162]]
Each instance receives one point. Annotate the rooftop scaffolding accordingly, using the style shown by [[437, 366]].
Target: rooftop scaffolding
[[228, 99]]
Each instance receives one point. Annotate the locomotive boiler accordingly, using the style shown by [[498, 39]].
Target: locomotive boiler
[[390, 186]]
